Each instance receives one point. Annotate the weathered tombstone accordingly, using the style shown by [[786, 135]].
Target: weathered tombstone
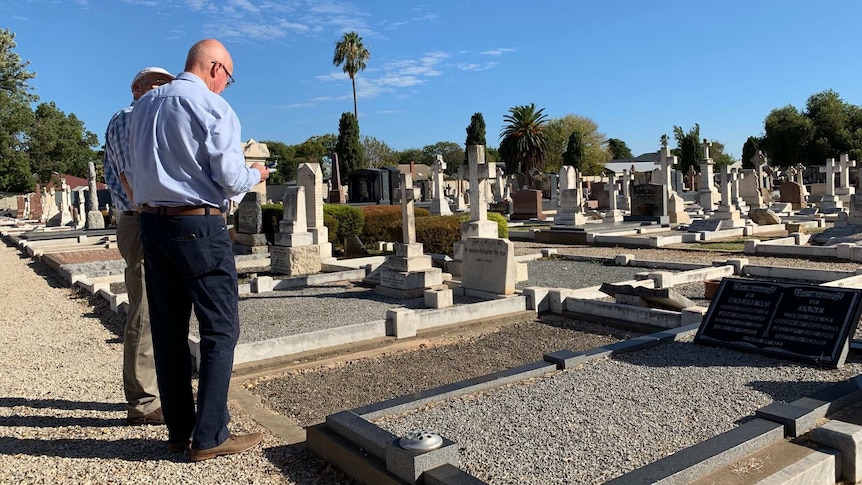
[[704, 225], [310, 177], [336, 194], [19, 214], [36, 204], [408, 273], [489, 266], [792, 193], [95, 220], [707, 195], [460, 204], [844, 165], [764, 217], [248, 235], [664, 298], [807, 323], [830, 199], [256, 152], [527, 204], [725, 210], [749, 188], [294, 252], [439, 204], [612, 214], [675, 208], [625, 200]]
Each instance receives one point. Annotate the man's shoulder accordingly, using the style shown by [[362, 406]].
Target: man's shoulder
[[120, 115]]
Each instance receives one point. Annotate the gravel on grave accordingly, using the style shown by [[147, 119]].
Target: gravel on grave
[[573, 427], [309, 395]]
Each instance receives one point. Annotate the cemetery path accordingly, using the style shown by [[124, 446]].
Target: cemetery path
[[62, 411]]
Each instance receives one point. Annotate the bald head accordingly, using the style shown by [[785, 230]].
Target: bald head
[[210, 61]]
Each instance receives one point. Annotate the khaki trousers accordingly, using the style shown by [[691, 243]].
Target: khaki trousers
[[139, 368]]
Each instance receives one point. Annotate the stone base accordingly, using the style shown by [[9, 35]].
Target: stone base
[[295, 261], [725, 213], [454, 267], [294, 240], [95, 220], [401, 264], [570, 219], [679, 217], [402, 294], [413, 280], [244, 249], [613, 216], [250, 239], [439, 207], [485, 229]]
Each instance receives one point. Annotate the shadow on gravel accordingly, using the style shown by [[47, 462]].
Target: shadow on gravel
[[789, 391], [115, 322], [51, 277], [54, 422], [122, 449], [61, 404], [304, 467]]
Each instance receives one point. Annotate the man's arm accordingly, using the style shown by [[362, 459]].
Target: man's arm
[[128, 190]]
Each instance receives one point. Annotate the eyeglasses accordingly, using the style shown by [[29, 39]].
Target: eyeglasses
[[230, 79]]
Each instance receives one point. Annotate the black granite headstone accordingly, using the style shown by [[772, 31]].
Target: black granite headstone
[[249, 216], [708, 225], [807, 323]]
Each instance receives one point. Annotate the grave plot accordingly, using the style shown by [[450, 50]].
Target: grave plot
[[608, 417], [309, 395]]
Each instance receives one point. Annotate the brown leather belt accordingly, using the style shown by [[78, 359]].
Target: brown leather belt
[[130, 213], [185, 210]]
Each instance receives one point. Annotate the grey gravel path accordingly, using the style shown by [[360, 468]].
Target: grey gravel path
[[612, 416]]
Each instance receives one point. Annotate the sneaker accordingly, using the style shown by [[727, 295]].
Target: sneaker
[[155, 417], [232, 445]]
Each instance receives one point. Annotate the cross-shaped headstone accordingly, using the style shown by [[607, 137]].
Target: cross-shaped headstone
[[479, 172], [667, 161], [437, 169], [725, 188], [408, 218], [830, 170], [844, 164], [611, 188]]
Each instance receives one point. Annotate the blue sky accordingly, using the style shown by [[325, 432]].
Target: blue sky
[[637, 68]]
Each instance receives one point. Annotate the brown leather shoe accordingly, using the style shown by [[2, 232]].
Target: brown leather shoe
[[232, 445], [179, 447], [155, 417]]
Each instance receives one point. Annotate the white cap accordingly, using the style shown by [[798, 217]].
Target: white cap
[[151, 70]]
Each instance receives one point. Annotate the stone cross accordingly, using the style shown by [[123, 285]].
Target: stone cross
[[706, 167], [479, 173], [734, 186], [830, 176], [498, 185], [759, 160], [611, 188], [408, 218], [627, 183], [725, 189], [667, 161], [844, 164], [439, 205], [800, 172]]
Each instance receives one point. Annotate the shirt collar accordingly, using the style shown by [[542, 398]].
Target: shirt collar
[[187, 76]]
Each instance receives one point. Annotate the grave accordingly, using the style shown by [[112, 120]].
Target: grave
[[707, 195], [801, 322], [310, 177], [489, 267], [649, 204], [707, 225], [527, 204], [613, 214], [294, 252], [409, 273], [793, 193], [439, 204], [248, 232], [336, 192], [664, 298], [95, 220], [675, 208]]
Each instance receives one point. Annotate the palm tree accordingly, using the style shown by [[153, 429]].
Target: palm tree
[[524, 141], [350, 52]]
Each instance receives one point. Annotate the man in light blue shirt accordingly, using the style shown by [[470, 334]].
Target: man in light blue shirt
[[139, 370], [188, 161]]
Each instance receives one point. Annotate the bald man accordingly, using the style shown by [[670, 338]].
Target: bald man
[[185, 140]]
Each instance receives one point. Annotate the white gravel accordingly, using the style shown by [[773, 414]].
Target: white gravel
[[62, 411]]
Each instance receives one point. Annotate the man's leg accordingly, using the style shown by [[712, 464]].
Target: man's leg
[[139, 371], [170, 309]]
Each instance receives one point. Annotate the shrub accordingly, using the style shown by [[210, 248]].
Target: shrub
[[502, 224], [272, 214], [438, 233], [383, 223], [331, 224], [349, 220]]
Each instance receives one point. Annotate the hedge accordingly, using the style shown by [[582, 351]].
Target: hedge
[[379, 222]]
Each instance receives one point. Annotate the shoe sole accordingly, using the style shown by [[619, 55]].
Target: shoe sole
[[195, 457]]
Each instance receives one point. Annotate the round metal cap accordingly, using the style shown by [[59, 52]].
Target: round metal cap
[[421, 440]]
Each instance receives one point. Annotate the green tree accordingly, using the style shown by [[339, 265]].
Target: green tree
[[16, 117], [558, 131], [409, 155], [352, 54], [351, 156], [574, 154], [60, 143], [716, 153], [689, 148], [453, 154], [284, 156], [524, 141], [378, 153], [618, 149], [476, 130], [749, 150], [788, 135]]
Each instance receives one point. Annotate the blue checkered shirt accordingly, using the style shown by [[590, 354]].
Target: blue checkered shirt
[[117, 157]]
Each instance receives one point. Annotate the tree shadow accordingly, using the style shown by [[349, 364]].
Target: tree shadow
[[303, 467]]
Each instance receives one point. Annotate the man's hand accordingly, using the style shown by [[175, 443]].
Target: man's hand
[[264, 172]]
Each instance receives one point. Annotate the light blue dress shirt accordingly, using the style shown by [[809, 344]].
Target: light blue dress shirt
[[116, 157], [186, 146]]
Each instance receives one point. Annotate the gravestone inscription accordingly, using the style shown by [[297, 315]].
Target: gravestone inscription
[[707, 225], [801, 322]]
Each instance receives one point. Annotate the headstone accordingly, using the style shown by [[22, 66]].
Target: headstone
[[725, 210], [249, 237], [704, 225], [310, 177], [256, 152], [807, 323], [830, 199], [489, 266], [749, 188], [707, 195], [764, 217], [294, 252], [844, 165], [625, 201], [336, 194], [613, 214], [527, 205], [439, 204], [649, 203]]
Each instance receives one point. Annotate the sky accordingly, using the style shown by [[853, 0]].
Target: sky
[[636, 68]]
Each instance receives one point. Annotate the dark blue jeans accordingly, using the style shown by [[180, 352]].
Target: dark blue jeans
[[189, 264]]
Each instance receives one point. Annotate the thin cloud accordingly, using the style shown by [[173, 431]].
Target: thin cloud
[[476, 67], [388, 111], [497, 52]]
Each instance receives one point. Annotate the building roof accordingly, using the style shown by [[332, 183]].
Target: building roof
[[646, 162]]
